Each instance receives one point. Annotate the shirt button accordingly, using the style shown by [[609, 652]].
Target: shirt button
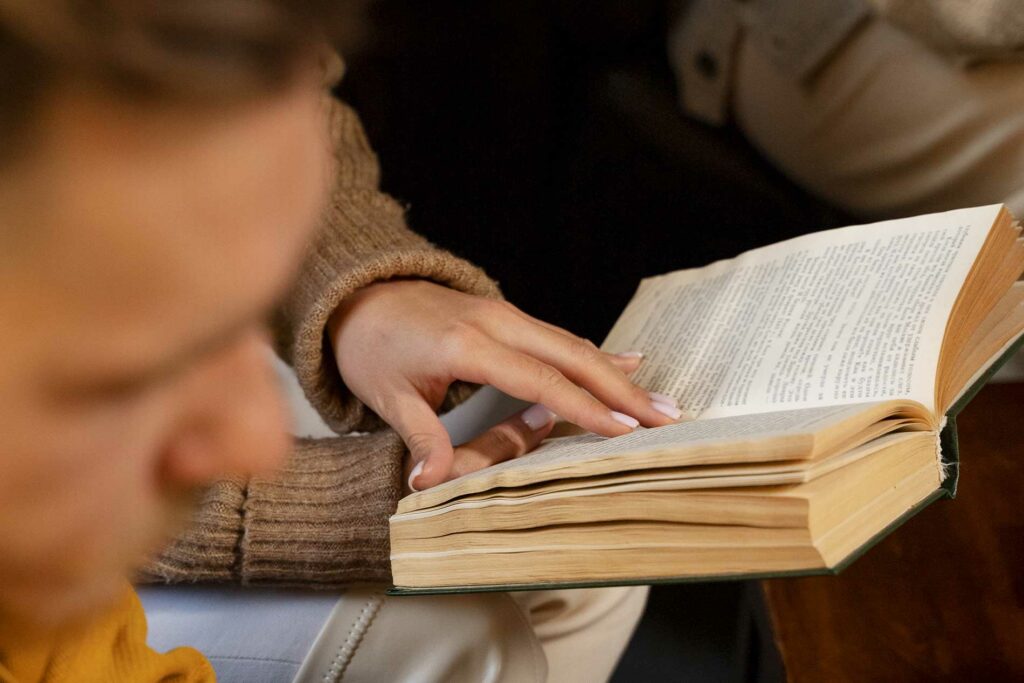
[[706, 64]]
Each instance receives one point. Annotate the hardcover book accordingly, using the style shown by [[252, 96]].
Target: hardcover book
[[823, 376]]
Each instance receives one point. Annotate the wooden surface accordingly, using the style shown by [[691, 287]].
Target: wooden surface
[[940, 599]]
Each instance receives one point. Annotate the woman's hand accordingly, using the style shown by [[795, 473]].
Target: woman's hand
[[400, 344], [516, 436]]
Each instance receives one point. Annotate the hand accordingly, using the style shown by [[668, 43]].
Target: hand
[[512, 438], [400, 344]]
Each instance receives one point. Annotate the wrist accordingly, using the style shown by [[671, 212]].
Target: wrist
[[352, 305]]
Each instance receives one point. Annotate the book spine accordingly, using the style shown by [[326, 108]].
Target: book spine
[[949, 450]]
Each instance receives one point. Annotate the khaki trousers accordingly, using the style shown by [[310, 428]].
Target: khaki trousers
[[561, 636]]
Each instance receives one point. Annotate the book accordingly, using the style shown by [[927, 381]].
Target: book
[[824, 375]]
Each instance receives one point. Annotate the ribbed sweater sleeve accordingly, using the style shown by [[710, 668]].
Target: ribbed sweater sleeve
[[323, 521], [363, 239]]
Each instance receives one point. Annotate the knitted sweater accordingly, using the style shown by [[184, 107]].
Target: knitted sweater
[[110, 647], [323, 519]]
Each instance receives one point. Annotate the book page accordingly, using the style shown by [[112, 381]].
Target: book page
[[840, 316], [741, 438]]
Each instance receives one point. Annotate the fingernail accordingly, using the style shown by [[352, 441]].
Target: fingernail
[[630, 354], [537, 416], [622, 418], [416, 471], [662, 398], [666, 409]]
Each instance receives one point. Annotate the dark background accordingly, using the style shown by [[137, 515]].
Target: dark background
[[542, 140]]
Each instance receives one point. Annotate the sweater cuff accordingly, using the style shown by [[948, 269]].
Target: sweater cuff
[[208, 551], [313, 357], [324, 521]]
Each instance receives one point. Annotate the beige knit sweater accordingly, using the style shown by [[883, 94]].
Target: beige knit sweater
[[323, 520]]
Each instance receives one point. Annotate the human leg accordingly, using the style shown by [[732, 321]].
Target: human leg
[[556, 635], [371, 637], [583, 631]]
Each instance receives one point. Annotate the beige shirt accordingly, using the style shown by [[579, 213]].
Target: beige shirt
[[799, 37]]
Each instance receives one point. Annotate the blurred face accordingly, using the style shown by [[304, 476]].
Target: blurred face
[[141, 250]]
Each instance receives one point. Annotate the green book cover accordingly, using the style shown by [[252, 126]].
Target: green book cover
[[951, 462]]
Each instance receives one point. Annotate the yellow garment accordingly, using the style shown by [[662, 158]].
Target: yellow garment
[[110, 649]]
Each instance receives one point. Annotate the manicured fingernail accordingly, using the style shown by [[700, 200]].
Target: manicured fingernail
[[666, 409], [416, 471], [622, 418], [537, 416], [630, 354], [662, 398]]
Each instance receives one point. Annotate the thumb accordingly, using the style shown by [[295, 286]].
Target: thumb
[[430, 447]]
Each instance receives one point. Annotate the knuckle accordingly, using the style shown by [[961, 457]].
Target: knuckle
[[584, 351], [384, 403], [507, 440], [549, 378], [420, 443], [486, 309], [491, 310], [460, 339], [640, 394]]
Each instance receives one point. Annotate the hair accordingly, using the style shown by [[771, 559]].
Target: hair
[[157, 49]]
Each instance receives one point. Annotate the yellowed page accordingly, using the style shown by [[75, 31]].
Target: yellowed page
[[841, 316], [761, 437]]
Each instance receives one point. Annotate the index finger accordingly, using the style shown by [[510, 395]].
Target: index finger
[[585, 365], [524, 377]]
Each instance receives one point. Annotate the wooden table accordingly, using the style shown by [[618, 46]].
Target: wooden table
[[940, 599]]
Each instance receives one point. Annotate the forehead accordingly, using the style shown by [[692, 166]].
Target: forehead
[[155, 224]]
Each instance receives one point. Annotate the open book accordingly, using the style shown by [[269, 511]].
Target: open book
[[824, 374]]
